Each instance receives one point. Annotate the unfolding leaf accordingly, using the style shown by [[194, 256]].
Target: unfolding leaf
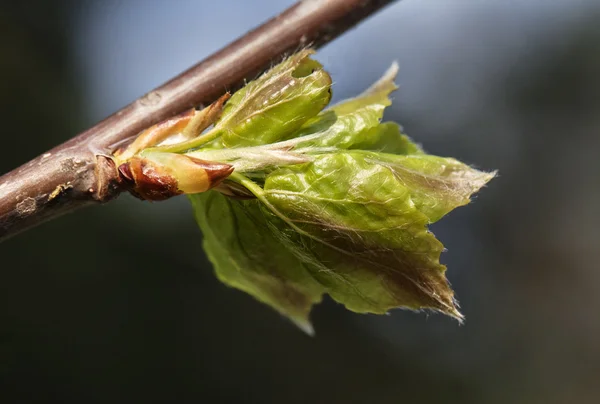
[[246, 256], [438, 184], [387, 138], [354, 222], [276, 104], [349, 122]]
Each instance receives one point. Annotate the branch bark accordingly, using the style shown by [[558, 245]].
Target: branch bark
[[80, 172]]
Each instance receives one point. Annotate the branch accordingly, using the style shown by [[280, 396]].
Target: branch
[[80, 171]]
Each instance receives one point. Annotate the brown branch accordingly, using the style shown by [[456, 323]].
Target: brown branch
[[76, 173]]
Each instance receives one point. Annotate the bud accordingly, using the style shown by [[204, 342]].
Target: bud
[[156, 176], [156, 134]]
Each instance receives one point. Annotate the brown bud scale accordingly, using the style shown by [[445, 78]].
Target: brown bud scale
[[159, 179]]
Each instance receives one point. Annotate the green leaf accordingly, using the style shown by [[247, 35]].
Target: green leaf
[[438, 184], [275, 105], [387, 138], [354, 221], [247, 256], [353, 121]]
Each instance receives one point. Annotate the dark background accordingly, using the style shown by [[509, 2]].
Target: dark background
[[118, 304]]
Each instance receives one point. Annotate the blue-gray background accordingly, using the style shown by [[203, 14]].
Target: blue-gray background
[[118, 303]]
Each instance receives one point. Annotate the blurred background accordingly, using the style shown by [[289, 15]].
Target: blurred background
[[118, 303]]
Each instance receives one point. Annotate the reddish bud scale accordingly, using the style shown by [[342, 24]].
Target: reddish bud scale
[[160, 176]]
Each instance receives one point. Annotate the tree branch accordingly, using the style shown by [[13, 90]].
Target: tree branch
[[79, 172]]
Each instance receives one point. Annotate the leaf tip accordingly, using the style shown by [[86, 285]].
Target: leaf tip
[[304, 325], [457, 315], [479, 179], [386, 83]]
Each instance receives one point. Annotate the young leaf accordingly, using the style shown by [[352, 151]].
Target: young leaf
[[275, 105], [387, 138], [438, 184], [246, 256], [355, 224], [268, 109], [349, 122]]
